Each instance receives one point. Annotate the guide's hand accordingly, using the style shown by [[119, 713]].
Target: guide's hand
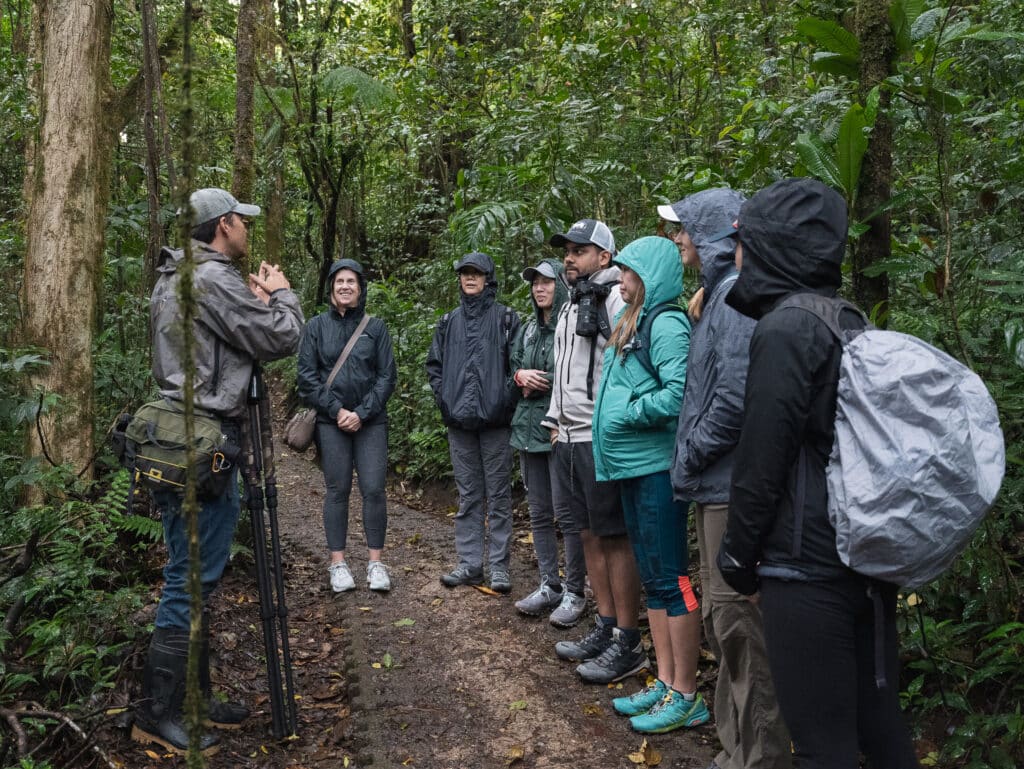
[[270, 278]]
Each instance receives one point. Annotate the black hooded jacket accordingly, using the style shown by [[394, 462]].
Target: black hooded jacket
[[793, 235], [367, 379], [468, 361]]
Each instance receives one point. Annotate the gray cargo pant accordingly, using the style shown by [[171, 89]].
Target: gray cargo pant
[[747, 717], [482, 466]]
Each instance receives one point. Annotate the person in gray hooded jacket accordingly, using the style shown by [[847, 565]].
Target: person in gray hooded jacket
[[747, 717], [352, 418], [468, 369], [237, 324]]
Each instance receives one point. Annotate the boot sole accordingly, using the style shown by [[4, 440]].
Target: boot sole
[[147, 738], [222, 727], [665, 729], [565, 625], [646, 664]]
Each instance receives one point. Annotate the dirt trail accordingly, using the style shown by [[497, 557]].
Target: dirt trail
[[423, 676]]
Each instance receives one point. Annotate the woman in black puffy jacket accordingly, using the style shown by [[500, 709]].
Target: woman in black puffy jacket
[[352, 420]]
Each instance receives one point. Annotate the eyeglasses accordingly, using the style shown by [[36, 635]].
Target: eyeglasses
[[669, 229]]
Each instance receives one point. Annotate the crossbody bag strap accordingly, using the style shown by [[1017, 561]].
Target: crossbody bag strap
[[348, 348]]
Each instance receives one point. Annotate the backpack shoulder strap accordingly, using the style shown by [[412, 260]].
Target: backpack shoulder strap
[[604, 322], [642, 341], [827, 309]]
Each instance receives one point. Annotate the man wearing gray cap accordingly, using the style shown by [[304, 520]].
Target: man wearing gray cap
[[612, 649], [237, 323], [468, 369]]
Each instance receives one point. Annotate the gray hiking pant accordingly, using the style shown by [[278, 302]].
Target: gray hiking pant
[[747, 716], [536, 467], [366, 450], [482, 465]]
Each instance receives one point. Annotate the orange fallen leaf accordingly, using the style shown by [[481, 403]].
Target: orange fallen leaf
[[486, 590]]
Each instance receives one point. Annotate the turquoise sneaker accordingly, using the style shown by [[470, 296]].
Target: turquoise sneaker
[[673, 712], [642, 701]]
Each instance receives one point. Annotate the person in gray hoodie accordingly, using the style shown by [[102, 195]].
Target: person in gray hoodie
[[748, 721]]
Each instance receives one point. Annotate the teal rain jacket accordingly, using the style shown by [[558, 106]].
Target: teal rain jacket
[[635, 417]]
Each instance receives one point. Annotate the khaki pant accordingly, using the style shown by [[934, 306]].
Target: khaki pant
[[747, 716]]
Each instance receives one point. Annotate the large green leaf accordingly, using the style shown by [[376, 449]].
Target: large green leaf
[[818, 159], [902, 15], [356, 87], [850, 148], [835, 64], [830, 36]]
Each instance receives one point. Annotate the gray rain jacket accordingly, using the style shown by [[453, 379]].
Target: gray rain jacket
[[233, 329], [572, 409], [712, 413]]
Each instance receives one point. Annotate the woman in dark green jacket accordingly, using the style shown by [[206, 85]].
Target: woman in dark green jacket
[[532, 364]]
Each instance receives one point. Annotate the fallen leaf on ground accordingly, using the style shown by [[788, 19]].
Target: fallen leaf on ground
[[486, 590], [515, 753], [647, 755], [405, 622], [592, 709], [518, 705]]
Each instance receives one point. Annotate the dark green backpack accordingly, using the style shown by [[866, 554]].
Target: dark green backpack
[[641, 343]]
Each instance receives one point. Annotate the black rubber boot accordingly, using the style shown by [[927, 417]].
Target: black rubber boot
[[158, 718], [220, 715]]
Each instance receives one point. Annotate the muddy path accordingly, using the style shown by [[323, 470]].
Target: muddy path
[[423, 676]]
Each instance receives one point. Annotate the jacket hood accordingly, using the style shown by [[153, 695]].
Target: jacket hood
[[656, 260], [561, 295], [357, 268], [794, 237], [705, 214], [170, 258]]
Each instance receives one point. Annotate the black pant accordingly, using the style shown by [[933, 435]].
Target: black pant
[[821, 651]]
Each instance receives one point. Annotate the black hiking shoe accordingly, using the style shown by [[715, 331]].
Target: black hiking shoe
[[588, 647], [462, 575], [616, 662]]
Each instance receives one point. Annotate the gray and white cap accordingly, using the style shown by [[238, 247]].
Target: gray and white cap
[[586, 231], [542, 269], [213, 202]]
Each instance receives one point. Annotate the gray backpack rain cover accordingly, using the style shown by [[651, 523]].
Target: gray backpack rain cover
[[918, 456]]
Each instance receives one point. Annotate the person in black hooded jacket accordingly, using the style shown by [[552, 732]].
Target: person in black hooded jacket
[[830, 633], [351, 419], [468, 369]]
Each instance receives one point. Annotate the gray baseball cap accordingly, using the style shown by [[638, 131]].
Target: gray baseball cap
[[542, 269], [213, 202], [586, 231]]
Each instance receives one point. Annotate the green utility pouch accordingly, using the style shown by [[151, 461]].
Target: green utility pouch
[[153, 447]]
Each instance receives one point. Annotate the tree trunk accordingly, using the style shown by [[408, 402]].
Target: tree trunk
[[408, 31], [878, 50], [67, 212], [243, 180], [275, 163], [151, 74]]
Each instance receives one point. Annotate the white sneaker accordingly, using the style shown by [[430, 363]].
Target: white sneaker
[[341, 578], [377, 576]]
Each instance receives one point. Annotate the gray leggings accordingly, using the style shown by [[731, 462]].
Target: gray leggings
[[367, 451]]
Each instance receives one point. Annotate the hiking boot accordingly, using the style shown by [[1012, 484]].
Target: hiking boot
[[341, 578], [616, 662], [569, 610], [158, 717], [500, 581], [220, 714], [539, 601], [673, 712], [642, 701], [588, 647], [462, 575], [377, 577]]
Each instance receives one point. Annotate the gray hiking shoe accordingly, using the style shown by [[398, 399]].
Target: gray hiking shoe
[[616, 662], [462, 575], [539, 601], [500, 581], [588, 647], [569, 610]]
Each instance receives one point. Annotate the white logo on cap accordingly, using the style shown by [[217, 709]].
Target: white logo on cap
[[582, 225]]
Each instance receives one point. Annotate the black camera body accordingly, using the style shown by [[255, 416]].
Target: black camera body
[[589, 296]]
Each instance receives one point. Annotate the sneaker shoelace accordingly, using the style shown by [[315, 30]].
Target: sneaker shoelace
[[661, 704], [638, 696]]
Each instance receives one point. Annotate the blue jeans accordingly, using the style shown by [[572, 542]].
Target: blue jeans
[[656, 524], [217, 520]]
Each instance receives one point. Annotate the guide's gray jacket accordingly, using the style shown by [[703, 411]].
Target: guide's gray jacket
[[232, 330]]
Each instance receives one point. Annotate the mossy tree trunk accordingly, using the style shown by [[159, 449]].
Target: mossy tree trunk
[[68, 189]]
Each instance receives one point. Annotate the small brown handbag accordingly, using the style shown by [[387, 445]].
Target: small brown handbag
[[298, 433]]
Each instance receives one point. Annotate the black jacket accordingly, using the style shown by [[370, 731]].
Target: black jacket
[[367, 379], [793, 235], [468, 362]]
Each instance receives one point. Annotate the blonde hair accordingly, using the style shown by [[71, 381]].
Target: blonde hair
[[696, 305], [625, 329]]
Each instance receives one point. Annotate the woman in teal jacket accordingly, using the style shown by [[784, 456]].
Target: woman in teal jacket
[[635, 418]]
